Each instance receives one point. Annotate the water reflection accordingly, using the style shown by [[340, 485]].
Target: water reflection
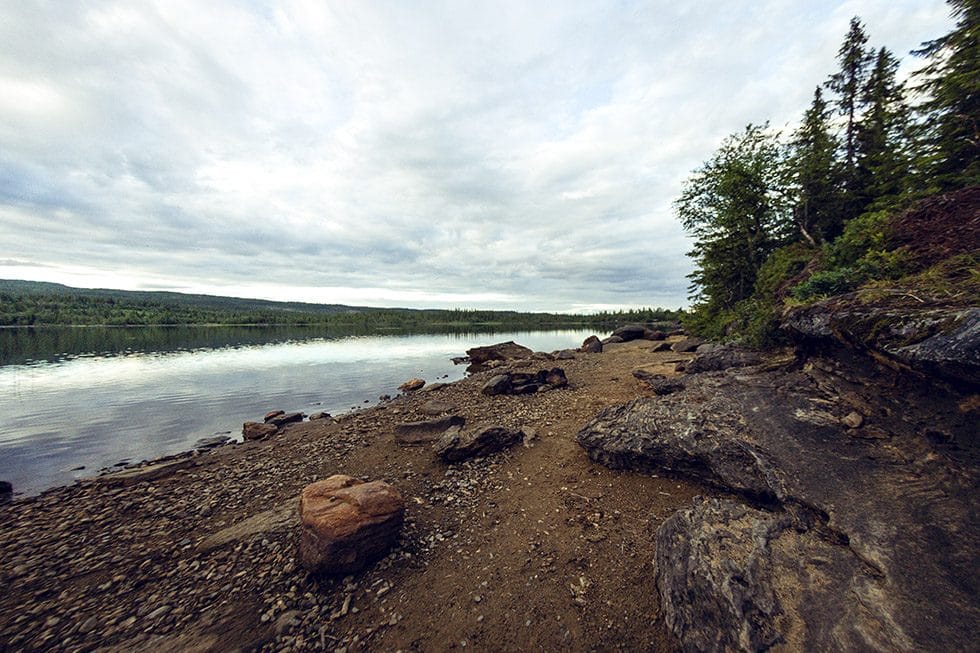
[[69, 399]]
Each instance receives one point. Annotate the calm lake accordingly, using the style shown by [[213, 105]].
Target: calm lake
[[74, 401]]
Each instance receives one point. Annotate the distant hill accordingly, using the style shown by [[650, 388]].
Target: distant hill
[[210, 302], [37, 303]]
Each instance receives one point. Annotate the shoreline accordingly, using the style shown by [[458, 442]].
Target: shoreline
[[180, 576]]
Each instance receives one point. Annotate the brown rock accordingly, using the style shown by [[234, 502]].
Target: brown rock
[[346, 524], [481, 357], [687, 344], [853, 420], [319, 415], [411, 385], [271, 414], [257, 431]]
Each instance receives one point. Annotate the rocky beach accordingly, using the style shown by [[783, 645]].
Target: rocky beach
[[647, 498]]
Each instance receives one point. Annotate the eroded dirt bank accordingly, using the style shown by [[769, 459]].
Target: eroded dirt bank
[[537, 548]]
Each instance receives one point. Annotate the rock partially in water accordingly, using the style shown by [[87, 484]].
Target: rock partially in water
[[346, 524], [257, 431], [212, 442], [286, 418], [412, 385]]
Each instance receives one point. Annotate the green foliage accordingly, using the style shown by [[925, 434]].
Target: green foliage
[[951, 84], [735, 208], [814, 172]]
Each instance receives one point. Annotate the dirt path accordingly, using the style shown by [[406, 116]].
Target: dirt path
[[534, 549]]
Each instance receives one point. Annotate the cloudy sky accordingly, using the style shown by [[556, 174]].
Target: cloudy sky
[[405, 153]]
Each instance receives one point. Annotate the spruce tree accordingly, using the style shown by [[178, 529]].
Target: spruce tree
[[882, 136], [848, 83], [817, 210], [951, 113]]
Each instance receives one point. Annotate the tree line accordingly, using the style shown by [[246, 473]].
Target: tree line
[[767, 205]]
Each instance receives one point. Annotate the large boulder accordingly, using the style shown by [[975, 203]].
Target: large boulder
[[591, 345], [638, 332], [346, 524], [688, 344], [456, 444], [503, 351], [848, 534], [258, 431], [425, 431]]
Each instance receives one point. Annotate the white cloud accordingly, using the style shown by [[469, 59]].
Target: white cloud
[[519, 155]]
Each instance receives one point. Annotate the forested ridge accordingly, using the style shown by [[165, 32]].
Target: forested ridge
[[875, 189], [30, 303]]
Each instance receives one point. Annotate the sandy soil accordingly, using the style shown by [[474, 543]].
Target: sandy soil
[[533, 549]]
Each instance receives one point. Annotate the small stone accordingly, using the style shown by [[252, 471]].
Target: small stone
[[411, 385], [853, 420]]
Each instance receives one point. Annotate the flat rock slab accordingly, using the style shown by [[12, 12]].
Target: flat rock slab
[[880, 547], [426, 431], [148, 473], [276, 519], [457, 445]]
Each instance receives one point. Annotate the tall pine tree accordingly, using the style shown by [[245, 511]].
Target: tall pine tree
[[817, 212], [882, 136], [952, 111], [848, 83]]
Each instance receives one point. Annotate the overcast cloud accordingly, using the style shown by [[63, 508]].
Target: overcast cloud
[[429, 154]]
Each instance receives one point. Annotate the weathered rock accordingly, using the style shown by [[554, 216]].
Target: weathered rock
[[411, 385], [712, 358], [503, 351], [435, 407], [425, 431], [687, 344], [612, 340], [456, 444], [433, 387], [279, 518], [497, 385], [272, 414], [941, 342], [659, 383], [591, 345], [286, 418], [868, 542], [638, 332], [564, 355], [212, 442], [346, 524], [662, 346], [521, 383], [319, 415], [146, 473], [257, 431], [734, 578]]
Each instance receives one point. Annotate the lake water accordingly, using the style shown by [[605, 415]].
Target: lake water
[[74, 401]]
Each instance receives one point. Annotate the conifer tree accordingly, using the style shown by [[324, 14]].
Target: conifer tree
[[817, 211], [952, 111], [848, 83], [881, 136]]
